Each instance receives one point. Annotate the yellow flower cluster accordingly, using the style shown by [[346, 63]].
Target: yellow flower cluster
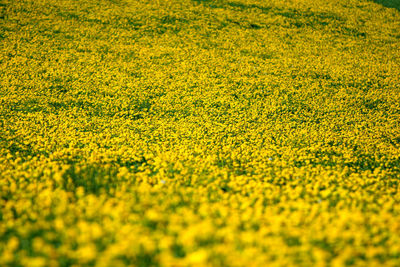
[[199, 133]]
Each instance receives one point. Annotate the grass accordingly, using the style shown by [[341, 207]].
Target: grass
[[199, 133], [389, 3]]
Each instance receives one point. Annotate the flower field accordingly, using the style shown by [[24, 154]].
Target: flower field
[[199, 133]]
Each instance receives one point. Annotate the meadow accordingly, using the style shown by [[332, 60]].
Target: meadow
[[199, 133]]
